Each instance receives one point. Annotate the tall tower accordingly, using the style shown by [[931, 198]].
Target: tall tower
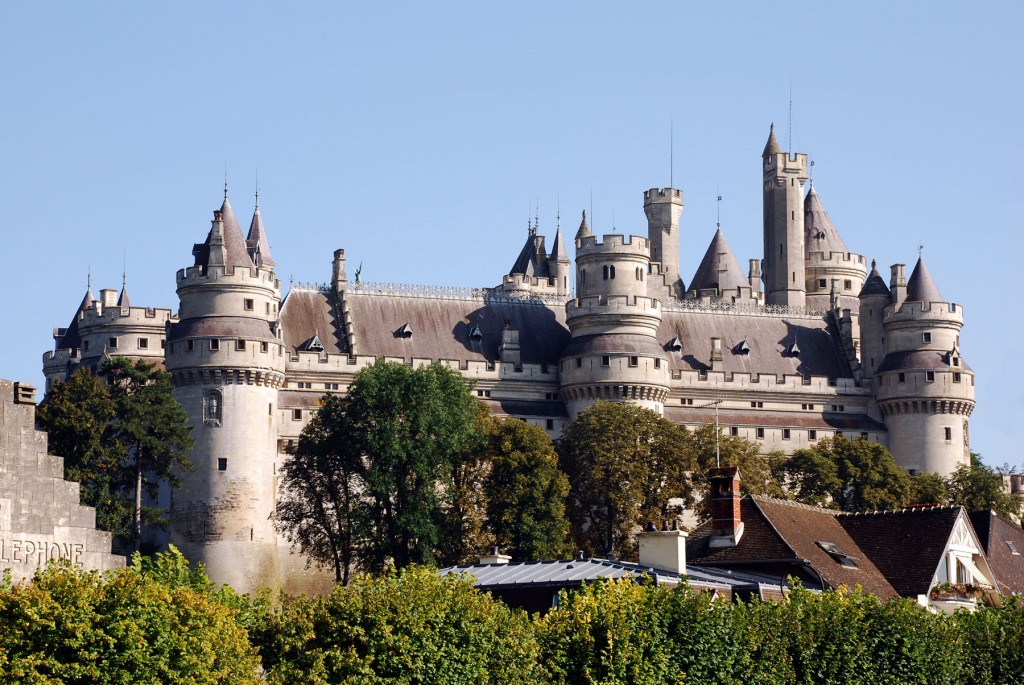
[[613, 355], [874, 298], [784, 177], [559, 266], [924, 389], [227, 362], [663, 207]]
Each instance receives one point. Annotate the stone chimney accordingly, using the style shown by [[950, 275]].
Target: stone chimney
[[664, 550], [509, 352], [338, 277], [495, 557], [754, 275], [726, 524], [898, 283], [716, 354]]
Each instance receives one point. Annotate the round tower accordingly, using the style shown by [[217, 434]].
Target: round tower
[[874, 298], [924, 389], [830, 269], [227, 362], [614, 354]]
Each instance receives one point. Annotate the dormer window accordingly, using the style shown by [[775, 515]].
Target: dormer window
[[314, 344], [674, 344], [743, 348], [476, 333], [405, 331], [793, 350]]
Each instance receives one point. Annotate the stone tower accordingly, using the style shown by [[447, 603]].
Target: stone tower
[[925, 390], [831, 270], [874, 298], [663, 207], [784, 271], [613, 354], [227, 362]]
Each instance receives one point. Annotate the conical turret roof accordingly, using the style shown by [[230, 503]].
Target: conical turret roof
[[772, 146], [584, 229], [256, 241], [820, 234], [532, 260], [874, 285], [719, 268], [921, 287], [235, 249], [558, 253], [123, 300], [71, 338]]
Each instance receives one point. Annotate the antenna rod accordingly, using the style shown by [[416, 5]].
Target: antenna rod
[[671, 153], [789, 149]]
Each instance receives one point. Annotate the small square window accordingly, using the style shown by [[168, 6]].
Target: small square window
[[239, 344], [864, 435], [296, 414], [760, 433], [812, 434], [143, 343], [822, 283], [248, 304], [606, 360], [929, 376], [785, 434], [112, 343], [222, 464], [1013, 547], [634, 361], [214, 344]]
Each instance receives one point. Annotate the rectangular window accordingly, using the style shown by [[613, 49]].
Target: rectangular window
[[112, 343], [785, 434], [956, 377], [822, 283], [734, 431], [847, 285], [189, 345], [143, 343], [222, 464], [903, 378], [85, 345], [163, 343], [760, 433], [296, 414], [657, 363], [248, 304], [812, 434], [929, 376], [926, 337], [579, 362], [757, 405], [634, 361], [949, 433], [606, 361], [214, 344], [264, 346], [956, 361], [864, 435], [550, 424], [239, 344]]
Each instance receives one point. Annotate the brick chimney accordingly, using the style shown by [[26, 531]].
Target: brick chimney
[[726, 525], [664, 550]]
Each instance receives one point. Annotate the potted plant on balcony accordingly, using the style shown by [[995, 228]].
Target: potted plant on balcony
[[945, 592]]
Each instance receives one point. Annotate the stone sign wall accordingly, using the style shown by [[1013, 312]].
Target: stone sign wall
[[41, 517]]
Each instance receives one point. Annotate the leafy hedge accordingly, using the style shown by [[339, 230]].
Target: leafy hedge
[[160, 622]]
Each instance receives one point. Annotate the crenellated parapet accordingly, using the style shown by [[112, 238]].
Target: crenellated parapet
[[613, 243]]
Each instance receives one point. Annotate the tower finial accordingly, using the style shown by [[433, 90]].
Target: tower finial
[[718, 220], [671, 153], [810, 175], [225, 178], [257, 188], [88, 278], [920, 250]]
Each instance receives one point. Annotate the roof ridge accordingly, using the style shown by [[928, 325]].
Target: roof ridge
[[910, 509], [794, 503]]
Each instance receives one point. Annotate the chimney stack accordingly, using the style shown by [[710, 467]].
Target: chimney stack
[[726, 524], [495, 557], [664, 550]]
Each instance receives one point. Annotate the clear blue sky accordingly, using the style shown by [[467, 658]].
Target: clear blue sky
[[418, 136]]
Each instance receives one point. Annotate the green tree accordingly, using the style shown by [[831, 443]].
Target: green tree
[[525, 490], [464, 526], [151, 431], [411, 426], [318, 507], [929, 488], [978, 487], [625, 464], [76, 414], [852, 475]]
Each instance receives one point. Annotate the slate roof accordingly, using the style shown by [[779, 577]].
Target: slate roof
[[236, 252], [820, 234], [993, 533], [584, 230], [906, 545], [221, 327], [774, 419], [772, 146], [123, 300], [558, 252], [768, 337], [257, 243], [719, 269], [308, 312], [532, 260], [779, 533], [874, 285], [921, 287], [919, 359], [72, 340]]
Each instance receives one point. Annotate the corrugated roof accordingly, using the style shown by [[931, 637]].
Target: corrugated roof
[[906, 545], [719, 269], [921, 287], [820, 234]]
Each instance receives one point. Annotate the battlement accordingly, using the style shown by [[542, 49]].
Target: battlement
[[616, 302], [127, 316], [657, 195], [794, 162], [520, 282], [613, 243], [199, 276], [924, 311], [844, 260]]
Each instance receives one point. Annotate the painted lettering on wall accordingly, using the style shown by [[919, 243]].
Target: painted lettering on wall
[[15, 551]]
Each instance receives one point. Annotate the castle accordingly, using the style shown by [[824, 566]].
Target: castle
[[824, 347]]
